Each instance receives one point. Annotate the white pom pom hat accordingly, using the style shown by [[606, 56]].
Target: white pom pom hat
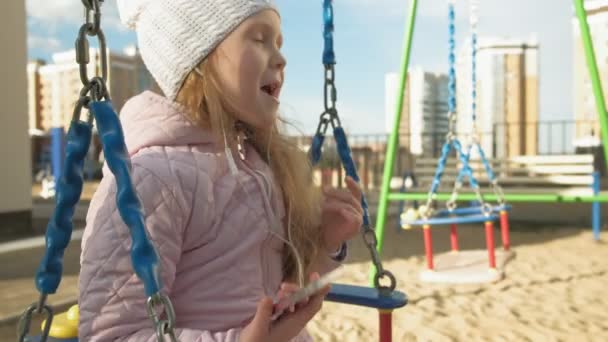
[[174, 36]]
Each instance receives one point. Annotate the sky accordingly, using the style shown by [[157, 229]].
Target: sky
[[368, 42]]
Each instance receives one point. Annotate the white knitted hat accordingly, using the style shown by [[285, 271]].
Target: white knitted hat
[[175, 35]]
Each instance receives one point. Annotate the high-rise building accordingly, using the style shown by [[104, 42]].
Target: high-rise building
[[52, 101], [424, 113], [54, 89], [391, 92], [587, 129], [34, 89], [507, 107]]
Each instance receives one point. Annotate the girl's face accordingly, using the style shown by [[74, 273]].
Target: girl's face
[[251, 69]]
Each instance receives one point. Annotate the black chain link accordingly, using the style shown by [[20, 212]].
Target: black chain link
[[94, 89], [25, 322], [163, 326]]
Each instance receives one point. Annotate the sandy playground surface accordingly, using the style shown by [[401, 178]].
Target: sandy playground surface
[[554, 290]]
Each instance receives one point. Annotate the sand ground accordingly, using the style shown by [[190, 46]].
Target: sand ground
[[554, 290]]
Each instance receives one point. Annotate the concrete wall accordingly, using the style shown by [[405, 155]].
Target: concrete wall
[[15, 164]]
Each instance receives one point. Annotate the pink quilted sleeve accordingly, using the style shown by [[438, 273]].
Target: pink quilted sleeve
[[112, 299]]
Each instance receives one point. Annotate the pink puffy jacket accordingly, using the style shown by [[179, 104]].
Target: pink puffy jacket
[[212, 230]]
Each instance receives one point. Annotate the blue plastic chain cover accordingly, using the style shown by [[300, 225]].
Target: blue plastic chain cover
[[144, 257], [329, 56], [345, 153], [486, 164], [462, 172], [452, 61], [69, 189], [445, 152], [316, 148], [349, 165], [465, 164]]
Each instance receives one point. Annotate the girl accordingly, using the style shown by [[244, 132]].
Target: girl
[[227, 198]]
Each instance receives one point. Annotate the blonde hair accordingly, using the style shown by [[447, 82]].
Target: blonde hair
[[202, 96]]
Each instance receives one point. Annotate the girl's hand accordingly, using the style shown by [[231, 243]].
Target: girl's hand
[[286, 290], [341, 214], [290, 324]]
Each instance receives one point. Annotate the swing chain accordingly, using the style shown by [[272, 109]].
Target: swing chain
[[500, 194], [92, 8], [330, 115], [330, 93], [163, 326], [371, 242], [25, 322], [486, 208], [325, 120], [428, 211], [91, 27], [451, 203], [451, 135], [96, 87]]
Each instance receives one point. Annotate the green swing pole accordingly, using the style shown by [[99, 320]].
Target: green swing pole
[[394, 137], [593, 73]]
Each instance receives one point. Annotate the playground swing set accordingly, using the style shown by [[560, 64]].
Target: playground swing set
[[385, 298], [481, 211]]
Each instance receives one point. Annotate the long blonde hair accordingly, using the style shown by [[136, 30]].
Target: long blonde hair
[[202, 96]]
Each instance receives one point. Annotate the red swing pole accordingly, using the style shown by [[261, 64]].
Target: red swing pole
[[386, 325], [490, 243], [454, 237], [504, 229], [428, 245]]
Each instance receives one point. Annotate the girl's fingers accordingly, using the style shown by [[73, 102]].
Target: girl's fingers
[[352, 215], [289, 287], [345, 197], [340, 194], [315, 303], [286, 290], [354, 187], [338, 207]]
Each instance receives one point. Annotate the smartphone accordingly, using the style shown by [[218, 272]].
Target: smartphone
[[281, 305]]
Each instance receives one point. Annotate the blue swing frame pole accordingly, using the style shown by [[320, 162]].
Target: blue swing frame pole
[[600, 104], [596, 216]]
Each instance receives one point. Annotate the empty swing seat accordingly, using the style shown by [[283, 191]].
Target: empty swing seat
[[445, 220], [472, 210]]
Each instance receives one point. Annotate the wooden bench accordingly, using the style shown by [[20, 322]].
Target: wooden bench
[[531, 174]]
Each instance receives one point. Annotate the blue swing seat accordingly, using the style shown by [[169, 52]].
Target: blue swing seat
[[445, 220], [471, 210], [340, 293], [366, 296], [50, 339]]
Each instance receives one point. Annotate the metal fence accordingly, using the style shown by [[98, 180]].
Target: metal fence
[[369, 150], [505, 140]]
